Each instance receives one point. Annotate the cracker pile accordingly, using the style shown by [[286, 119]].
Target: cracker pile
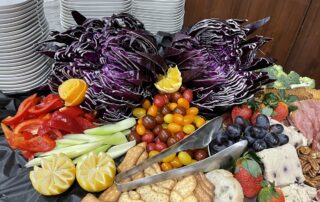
[[192, 188]]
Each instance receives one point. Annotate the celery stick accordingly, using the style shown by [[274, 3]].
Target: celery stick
[[112, 128], [114, 139], [70, 142], [102, 148], [75, 150], [126, 132], [119, 150]]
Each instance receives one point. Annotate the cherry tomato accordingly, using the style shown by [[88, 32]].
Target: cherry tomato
[[161, 146], [157, 129], [176, 163], [190, 152], [166, 166], [135, 136], [153, 153], [139, 112], [187, 94], [188, 119], [151, 147], [182, 102], [172, 106], [140, 129], [140, 121], [199, 121], [159, 119], [193, 161], [174, 128], [164, 134], [164, 125], [175, 96], [184, 158], [180, 110], [149, 122], [167, 98], [178, 119], [147, 137], [152, 111], [157, 140], [165, 110], [169, 158], [171, 141], [179, 135], [159, 100], [193, 111], [168, 118], [200, 154], [188, 129], [146, 104]]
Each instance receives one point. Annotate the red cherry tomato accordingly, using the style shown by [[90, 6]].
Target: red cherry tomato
[[187, 94], [151, 147], [161, 146], [175, 96], [147, 137], [167, 98], [179, 135], [159, 100]]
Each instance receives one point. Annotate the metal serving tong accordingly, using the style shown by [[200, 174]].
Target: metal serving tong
[[198, 140]]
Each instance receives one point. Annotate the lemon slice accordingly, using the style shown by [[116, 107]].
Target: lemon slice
[[96, 172], [171, 82], [55, 176]]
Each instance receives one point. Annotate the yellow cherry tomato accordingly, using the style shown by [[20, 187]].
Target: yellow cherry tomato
[[168, 118], [184, 158], [153, 153], [199, 121], [172, 106], [169, 158], [188, 129], [139, 112], [193, 110], [164, 125]]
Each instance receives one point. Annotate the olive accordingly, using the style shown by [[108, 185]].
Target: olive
[[164, 134], [171, 141], [165, 110], [159, 119], [149, 122], [134, 136], [157, 129], [200, 154], [180, 110]]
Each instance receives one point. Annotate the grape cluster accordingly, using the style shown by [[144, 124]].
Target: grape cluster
[[260, 136]]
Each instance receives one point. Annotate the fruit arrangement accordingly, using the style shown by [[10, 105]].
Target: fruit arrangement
[[169, 119]]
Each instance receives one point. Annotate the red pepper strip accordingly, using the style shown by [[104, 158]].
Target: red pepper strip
[[55, 134], [64, 122], [9, 135], [27, 154], [37, 144], [22, 110], [84, 123], [49, 103], [27, 135], [31, 126], [72, 111]]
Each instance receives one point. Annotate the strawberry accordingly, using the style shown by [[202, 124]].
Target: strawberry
[[242, 110], [249, 173], [281, 111], [270, 193]]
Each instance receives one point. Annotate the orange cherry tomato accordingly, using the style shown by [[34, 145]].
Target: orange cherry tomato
[[140, 129], [166, 166], [152, 111], [193, 110], [174, 128], [188, 119], [176, 163], [178, 119], [182, 102], [146, 104], [172, 106]]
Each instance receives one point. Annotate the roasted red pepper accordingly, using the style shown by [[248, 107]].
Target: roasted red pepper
[[31, 126], [72, 111], [49, 103], [64, 122], [8, 133], [22, 110], [38, 144]]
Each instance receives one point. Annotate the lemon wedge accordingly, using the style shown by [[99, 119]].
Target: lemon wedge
[[96, 172], [73, 91], [171, 82], [54, 176]]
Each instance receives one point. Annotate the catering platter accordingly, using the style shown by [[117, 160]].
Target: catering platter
[[113, 119]]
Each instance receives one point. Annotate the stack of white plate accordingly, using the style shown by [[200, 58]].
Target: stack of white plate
[[22, 27], [91, 9], [160, 15]]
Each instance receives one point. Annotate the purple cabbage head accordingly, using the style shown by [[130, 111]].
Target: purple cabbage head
[[219, 63], [117, 58]]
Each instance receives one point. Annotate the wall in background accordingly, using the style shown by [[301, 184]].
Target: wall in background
[[294, 27]]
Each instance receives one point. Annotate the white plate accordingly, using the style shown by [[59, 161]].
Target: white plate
[[18, 8], [30, 36], [26, 68], [21, 26], [97, 11], [27, 83], [95, 3], [24, 45], [7, 4], [22, 65], [17, 13], [41, 23], [24, 20]]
